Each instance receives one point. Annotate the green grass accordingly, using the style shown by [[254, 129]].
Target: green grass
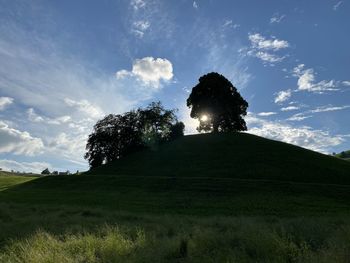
[[207, 198], [345, 155]]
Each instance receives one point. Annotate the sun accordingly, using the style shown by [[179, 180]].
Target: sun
[[204, 117]]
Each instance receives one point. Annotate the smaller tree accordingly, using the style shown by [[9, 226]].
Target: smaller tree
[[116, 136], [46, 172]]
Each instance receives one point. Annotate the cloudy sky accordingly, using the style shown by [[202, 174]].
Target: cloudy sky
[[65, 64]]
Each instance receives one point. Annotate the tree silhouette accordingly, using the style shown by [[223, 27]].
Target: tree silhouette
[[45, 171], [116, 136], [217, 104]]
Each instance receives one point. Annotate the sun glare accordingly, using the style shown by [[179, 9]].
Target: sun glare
[[204, 117]]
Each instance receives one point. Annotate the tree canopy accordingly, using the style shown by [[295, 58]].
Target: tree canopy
[[118, 135], [217, 104]]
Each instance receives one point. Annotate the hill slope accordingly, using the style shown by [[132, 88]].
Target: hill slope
[[344, 155], [238, 155]]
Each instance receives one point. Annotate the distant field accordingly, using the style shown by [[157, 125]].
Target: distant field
[[203, 199]]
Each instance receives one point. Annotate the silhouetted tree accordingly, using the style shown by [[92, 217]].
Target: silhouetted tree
[[46, 171], [116, 136], [217, 104]]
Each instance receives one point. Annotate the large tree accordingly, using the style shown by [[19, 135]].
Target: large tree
[[217, 104], [116, 136]]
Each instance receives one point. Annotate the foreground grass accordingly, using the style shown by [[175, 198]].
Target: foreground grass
[[152, 219], [66, 234]]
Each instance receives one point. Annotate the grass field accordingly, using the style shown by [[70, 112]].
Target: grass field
[[233, 198]]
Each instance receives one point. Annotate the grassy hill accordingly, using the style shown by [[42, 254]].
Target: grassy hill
[[239, 156], [203, 198]]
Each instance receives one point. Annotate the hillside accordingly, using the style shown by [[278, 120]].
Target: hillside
[[202, 198], [238, 155]]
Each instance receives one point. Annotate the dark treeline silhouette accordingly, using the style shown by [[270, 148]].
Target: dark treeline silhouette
[[217, 104], [118, 135], [214, 101]]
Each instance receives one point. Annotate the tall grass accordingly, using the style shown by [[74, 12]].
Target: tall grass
[[81, 235]]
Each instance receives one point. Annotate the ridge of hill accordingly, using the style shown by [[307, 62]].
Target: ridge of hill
[[231, 155]]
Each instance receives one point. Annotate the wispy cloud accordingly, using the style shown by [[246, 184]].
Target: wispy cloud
[[137, 4], [310, 113], [306, 81], [195, 5], [314, 139], [265, 114], [299, 117], [4, 102], [290, 108], [283, 95], [140, 27], [337, 5], [260, 42], [276, 18], [230, 24], [265, 49], [329, 108], [85, 107], [18, 142]]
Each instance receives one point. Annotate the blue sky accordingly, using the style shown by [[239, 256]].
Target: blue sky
[[66, 64]]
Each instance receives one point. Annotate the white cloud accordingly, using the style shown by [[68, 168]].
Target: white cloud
[[329, 108], [336, 6], [303, 136], [34, 117], [265, 114], [264, 56], [86, 107], [230, 24], [18, 142], [195, 5], [139, 27], [290, 108], [299, 117], [28, 167], [150, 71], [308, 114], [263, 48], [4, 102], [283, 96], [306, 80], [70, 146], [137, 4], [260, 42], [276, 18]]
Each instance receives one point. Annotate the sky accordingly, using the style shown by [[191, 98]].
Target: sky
[[66, 64]]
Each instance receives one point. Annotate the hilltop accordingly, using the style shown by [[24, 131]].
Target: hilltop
[[231, 155]]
